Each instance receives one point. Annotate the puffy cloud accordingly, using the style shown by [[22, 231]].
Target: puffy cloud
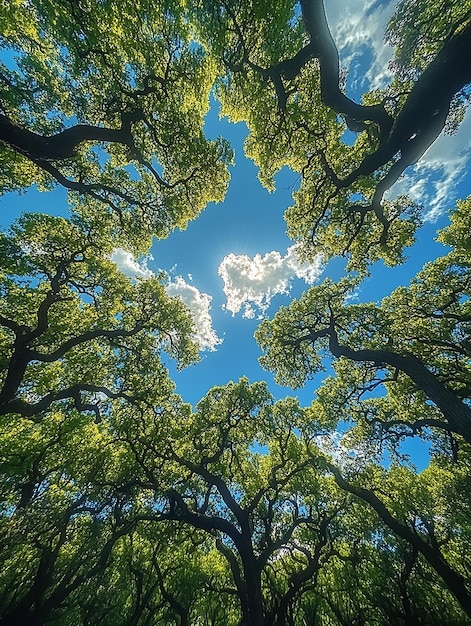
[[199, 305], [251, 283], [129, 266]]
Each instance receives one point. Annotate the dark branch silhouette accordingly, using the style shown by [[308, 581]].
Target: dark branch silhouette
[[403, 137], [453, 579], [456, 412]]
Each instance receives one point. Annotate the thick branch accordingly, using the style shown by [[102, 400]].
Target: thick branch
[[83, 338], [179, 511], [23, 356], [298, 579], [457, 413], [62, 145], [212, 479], [170, 598], [453, 580], [403, 140], [236, 575], [324, 49], [27, 409]]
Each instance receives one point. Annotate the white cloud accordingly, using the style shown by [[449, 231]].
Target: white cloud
[[433, 181], [199, 305], [357, 26], [449, 158], [129, 266], [251, 283]]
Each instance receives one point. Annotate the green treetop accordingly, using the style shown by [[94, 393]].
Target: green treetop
[[74, 329], [280, 72], [415, 343], [108, 100]]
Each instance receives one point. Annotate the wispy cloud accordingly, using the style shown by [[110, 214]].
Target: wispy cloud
[[198, 303], [433, 181], [358, 27], [251, 283], [449, 158]]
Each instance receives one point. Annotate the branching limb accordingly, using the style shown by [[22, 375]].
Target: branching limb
[[29, 409], [456, 412], [453, 580]]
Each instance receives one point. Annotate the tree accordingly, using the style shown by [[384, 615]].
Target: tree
[[266, 510], [133, 139], [58, 529], [420, 523], [108, 100], [402, 370], [225, 489], [276, 516], [415, 346], [128, 519], [75, 330], [286, 60]]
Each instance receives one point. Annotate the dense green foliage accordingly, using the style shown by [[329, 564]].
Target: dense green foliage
[[415, 344], [120, 502], [127, 77]]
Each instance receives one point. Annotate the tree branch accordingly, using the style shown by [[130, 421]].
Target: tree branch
[[62, 145], [26, 409], [457, 413], [453, 580]]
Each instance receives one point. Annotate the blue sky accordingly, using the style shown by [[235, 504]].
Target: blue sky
[[232, 260]]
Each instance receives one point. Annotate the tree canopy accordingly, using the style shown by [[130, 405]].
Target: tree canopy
[[108, 100], [121, 503]]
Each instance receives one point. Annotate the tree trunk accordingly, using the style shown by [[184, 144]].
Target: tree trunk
[[253, 586]]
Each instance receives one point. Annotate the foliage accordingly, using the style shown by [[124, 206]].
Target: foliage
[[414, 346], [130, 518], [74, 328], [286, 60], [120, 502], [108, 100]]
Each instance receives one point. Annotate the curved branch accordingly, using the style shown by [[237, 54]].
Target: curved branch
[[83, 338], [27, 409], [413, 427], [92, 188], [62, 145], [236, 575], [212, 479], [457, 413], [24, 335], [324, 49], [453, 580], [179, 512], [424, 113], [298, 579], [23, 355], [403, 138]]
